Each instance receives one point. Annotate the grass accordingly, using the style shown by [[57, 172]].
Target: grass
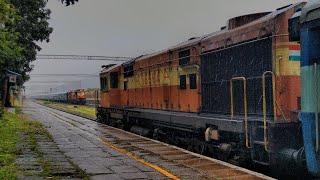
[[33, 128], [47, 102], [84, 110], [17, 102], [10, 126]]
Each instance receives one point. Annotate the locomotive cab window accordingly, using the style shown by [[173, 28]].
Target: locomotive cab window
[[104, 83], [183, 82], [114, 81], [128, 70], [101, 83], [193, 81], [125, 85], [184, 57]]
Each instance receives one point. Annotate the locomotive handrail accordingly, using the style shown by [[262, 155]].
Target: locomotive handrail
[[245, 104], [265, 105], [316, 104], [282, 114]]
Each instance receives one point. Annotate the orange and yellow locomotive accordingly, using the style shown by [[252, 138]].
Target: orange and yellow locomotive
[[234, 93]]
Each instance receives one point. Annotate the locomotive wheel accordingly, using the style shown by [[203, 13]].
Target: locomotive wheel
[[197, 146], [119, 124], [190, 148], [99, 119], [106, 120]]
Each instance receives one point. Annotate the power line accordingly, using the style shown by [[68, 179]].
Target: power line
[[37, 85], [63, 75], [48, 82], [83, 57]]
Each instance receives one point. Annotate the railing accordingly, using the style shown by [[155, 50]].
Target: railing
[[245, 104], [265, 105]]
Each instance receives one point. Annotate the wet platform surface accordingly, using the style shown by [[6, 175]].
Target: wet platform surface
[[107, 153]]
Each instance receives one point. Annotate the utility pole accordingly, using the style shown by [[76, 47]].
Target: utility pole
[[23, 95], [50, 93]]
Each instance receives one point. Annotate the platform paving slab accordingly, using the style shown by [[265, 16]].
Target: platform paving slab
[[86, 151], [79, 139], [38, 152], [105, 177]]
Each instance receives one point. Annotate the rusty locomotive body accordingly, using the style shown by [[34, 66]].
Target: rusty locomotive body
[[233, 94]]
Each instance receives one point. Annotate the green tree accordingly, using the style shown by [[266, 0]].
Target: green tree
[[30, 27], [33, 27], [9, 48], [10, 51], [69, 2]]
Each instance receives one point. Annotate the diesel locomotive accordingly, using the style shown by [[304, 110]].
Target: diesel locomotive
[[235, 94], [77, 97], [74, 97]]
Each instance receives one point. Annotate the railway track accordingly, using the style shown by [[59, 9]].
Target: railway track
[[158, 154]]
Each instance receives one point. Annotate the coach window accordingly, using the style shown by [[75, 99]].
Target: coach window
[[184, 57], [193, 81], [183, 82], [114, 81]]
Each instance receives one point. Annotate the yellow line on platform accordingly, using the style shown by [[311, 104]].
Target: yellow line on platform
[[162, 171]]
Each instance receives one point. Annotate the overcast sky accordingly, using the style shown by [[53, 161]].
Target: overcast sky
[[131, 28]]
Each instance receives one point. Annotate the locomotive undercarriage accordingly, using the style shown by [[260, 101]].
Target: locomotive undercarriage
[[79, 102], [226, 141]]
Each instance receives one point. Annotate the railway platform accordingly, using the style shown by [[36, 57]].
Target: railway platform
[[104, 152]]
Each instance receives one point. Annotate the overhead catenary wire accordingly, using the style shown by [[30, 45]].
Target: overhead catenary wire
[[48, 82], [82, 57], [64, 75]]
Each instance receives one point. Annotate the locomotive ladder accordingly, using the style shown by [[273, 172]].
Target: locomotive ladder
[[265, 135], [260, 152], [244, 103]]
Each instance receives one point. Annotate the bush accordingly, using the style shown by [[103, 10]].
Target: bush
[[47, 103]]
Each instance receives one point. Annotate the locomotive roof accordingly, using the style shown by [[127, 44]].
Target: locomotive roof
[[76, 90], [267, 17], [193, 41], [109, 68], [190, 42], [150, 55], [196, 40]]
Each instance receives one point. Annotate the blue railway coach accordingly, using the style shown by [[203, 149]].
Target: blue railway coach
[[305, 27]]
